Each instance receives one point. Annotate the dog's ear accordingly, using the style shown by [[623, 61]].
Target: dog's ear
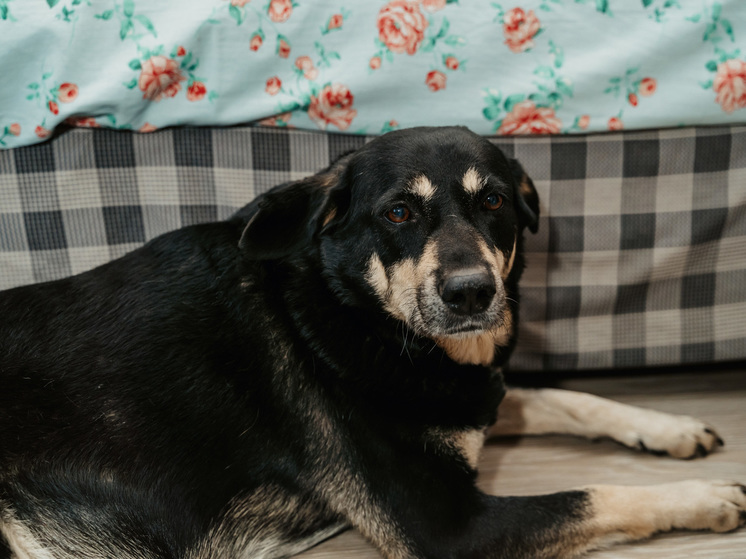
[[527, 199], [287, 217]]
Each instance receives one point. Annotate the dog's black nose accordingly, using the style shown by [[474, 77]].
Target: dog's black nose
[[467, 291]]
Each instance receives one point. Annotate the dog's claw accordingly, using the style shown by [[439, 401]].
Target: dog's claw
[[719, 441]]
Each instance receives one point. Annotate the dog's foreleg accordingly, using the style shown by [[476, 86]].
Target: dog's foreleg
[[565, 525], [551, 411], [620, 514], [617, 514]]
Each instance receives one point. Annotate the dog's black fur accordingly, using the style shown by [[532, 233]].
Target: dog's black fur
[[247, 388]]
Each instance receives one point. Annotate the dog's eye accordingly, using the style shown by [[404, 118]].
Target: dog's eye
[[398, 214], [493, 202]]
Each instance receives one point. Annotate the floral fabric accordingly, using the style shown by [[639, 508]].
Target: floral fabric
[[368, 66]]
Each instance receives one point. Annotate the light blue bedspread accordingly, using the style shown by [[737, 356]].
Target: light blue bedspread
[[368, 66]]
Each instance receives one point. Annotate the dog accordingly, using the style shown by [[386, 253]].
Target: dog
[[328, 357]]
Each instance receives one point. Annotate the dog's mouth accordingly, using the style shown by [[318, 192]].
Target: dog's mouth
[[466, 330], [437, 319]]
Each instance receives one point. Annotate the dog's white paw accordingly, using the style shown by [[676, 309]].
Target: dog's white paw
[[719, 506], [679, 436], [636, 512]]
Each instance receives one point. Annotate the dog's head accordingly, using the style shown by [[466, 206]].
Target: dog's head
[[426, 223]]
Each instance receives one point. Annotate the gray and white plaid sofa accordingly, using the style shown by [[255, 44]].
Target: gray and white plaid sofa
[[640, 259]]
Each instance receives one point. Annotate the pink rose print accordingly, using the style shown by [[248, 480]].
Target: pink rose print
[[67, 92], [527, 118], [632, 98], [279, 10], [239, 3], [452, 63], [276, 120], [147, 127], [333, 106], [615, 123], [54, 108], [256, 42], [401, 26], [159, 77], [273, 85], [305, 64], [196, 91], [15, 129], [519, 28], [82, 122], [42, 132], [730, 85], [647, 87], [181, 51], [584, 121], [335, 22], [375, 63], [283, 48], [435, 80], [433, 5]]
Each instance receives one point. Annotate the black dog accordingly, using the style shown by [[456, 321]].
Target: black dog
[[328, 357]]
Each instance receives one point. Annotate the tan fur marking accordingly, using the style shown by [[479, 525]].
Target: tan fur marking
[[329, 216], [397, 286], [472, 181], [376, 276], [22, 543], [495, 259], [467, 443], [479, 349], [506, 271], [525, 186], [422, 187], [474, 350], [470, 443]]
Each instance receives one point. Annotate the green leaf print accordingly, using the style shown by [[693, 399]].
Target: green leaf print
[[728, 28], [236, 14], [147, 24], [52, 3], [511, 101], [125, 27], [128, 8]]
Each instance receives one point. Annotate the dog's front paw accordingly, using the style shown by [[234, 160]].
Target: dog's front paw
[[719, 506], [632, 513], [679, 436]]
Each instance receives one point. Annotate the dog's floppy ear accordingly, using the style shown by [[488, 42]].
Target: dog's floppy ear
[[527, 200], [287, 217]]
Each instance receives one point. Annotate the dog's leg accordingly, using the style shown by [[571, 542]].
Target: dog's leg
[[562, 525], [617, 514], [545, 411]]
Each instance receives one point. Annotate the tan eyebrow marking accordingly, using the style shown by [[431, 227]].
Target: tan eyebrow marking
[[472, 181], [421, 186]]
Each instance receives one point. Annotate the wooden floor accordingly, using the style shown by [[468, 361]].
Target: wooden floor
[[526, 466]]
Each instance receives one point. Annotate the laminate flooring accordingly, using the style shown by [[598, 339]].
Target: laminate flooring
[[534, 465]]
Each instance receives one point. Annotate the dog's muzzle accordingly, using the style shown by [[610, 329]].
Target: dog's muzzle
[[467, 292]]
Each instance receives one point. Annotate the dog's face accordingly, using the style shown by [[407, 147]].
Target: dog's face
[[427, 224]]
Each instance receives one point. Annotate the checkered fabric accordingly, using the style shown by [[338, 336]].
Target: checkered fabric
[[640, 258]]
